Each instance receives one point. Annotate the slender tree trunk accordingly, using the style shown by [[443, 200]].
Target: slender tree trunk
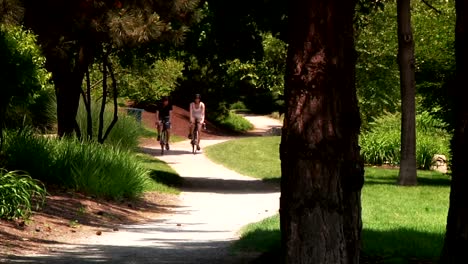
[[406, 62], [115, 97], [87, 102], [322, 172], [456, 237], [104, 100]]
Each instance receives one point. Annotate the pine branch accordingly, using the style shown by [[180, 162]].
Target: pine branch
[[432, 7]]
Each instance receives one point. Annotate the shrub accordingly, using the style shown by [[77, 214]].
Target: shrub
[[124, 134], [381, 144], [19, 194], [235, 122], [100, 170], [239, 105]]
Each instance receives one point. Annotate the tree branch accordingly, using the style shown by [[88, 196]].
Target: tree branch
[[432, 7]]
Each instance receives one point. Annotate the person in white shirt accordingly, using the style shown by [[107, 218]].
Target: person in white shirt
[[197, 115]]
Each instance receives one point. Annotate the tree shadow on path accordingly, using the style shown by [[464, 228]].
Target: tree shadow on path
[[173, 252]]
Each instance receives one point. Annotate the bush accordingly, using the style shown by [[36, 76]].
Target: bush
[[99, 170], [239, 105], [235, 122], [19, 194], [381, 144], [124, 134]]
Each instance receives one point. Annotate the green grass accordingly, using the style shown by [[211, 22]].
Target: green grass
[[245, 155], [163, 178], [398, 222]]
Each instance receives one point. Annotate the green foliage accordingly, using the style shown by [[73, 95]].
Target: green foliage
[[92, 168], [435, 37], [19, 194], [147, 84], [377, 74], [234, 122], [381, 144], [24, 89], [232, 59], [239, 105], [124, 134], [261, 81], [19, 68]]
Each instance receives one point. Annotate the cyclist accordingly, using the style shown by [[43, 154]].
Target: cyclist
[[197, 114], [163, 116]]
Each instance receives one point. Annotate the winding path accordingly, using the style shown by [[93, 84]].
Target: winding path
[[214, 205]]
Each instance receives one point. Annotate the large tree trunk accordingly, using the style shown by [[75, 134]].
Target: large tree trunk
[[406, 61], [68, 73], [322, 172], [68, 91], [456, 237]]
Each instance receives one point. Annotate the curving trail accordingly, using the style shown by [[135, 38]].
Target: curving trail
[[214, 204]]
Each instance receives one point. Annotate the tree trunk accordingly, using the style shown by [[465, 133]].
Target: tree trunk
[[322, 172], [68, 73], [406, 62], [68, 91], [456, 237]]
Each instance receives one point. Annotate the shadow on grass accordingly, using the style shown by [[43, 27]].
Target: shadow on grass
[[391, 246], [422, 181], [215, 185], [275, 181], [166, 178]]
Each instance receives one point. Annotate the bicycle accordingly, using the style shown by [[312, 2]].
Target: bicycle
[[163, 137], [195, 136]]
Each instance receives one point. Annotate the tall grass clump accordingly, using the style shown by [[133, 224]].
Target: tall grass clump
[[381, 143], [100, 170], [124, 134], [19, 194]]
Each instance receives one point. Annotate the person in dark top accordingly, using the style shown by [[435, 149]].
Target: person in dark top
[[163, 116]]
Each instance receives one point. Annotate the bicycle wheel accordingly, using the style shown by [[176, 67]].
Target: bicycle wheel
[[194, 140], [163, 140]]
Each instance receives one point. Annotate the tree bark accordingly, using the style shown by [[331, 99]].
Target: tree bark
[[68, 90], [322, 172], [456, 237], [408, 175]]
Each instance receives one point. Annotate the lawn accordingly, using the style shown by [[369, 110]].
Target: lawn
[[245, 155], [163, 178], [399, 223]]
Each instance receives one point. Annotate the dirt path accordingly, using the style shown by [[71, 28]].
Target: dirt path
[[214, 204]]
